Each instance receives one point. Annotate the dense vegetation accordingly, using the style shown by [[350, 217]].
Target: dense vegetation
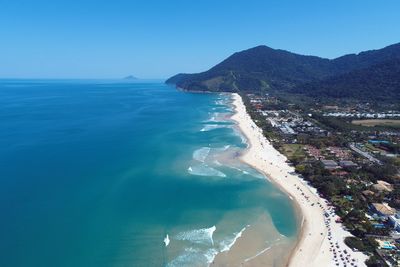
[[350, 190], [257, 68], [378, 82], [263, 68]]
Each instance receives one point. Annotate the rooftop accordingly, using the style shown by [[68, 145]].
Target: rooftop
[[347, 163], [382, 186], [384, 209], [329, 164]]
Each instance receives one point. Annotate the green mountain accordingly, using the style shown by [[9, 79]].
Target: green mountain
[[258, 68], [377, 82], [265, 68], [366, 59]]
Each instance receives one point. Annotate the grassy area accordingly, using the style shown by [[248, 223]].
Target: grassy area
[[372, 149], [396, 161], [293, 150], [377, 122]]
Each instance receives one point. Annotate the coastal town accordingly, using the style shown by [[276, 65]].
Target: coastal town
[[350, 155]]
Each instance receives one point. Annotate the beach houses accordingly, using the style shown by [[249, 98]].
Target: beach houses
[[330, 164], [383, 210]]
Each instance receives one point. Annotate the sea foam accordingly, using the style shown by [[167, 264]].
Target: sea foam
[[201, 154], [210, 127], [227, 244], [199, 236], [205, 170], [210, 255], [194, 257], [189, 257], [219, 117]]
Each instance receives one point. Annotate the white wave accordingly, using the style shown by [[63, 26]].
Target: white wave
[[224, 148], [187, 258], [204, 170], [166, 240], [201, 154], [219, 117], [199, 236], [220, 102], [223, 109], [210, 255], [227, 244], [258, 175], [240, 170], [243, 138], [213, 118], [250, 172], [194, 257], [210, 127], [216, 162]]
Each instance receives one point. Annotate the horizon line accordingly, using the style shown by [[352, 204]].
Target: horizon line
[[70, 78]]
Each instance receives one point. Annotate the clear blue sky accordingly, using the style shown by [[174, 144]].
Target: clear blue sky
[[156, 39]]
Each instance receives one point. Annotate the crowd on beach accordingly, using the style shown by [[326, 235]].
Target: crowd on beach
[[340, 252]]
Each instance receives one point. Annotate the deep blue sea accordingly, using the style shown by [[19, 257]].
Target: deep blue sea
[[98, 173]]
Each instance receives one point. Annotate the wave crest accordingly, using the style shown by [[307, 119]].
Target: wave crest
[[201, 154], [205, 170], [200, 236]]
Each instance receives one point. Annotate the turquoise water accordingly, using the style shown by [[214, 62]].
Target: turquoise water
[[97, 173]]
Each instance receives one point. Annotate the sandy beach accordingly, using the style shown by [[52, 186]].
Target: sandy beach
[[321, 239]]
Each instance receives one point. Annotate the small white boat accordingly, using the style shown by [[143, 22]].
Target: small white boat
[[166, 240]]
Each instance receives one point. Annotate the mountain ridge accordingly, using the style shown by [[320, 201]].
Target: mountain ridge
[[359, 83], [263, 68]]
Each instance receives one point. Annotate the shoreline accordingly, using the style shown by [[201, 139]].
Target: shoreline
[[320, 239]]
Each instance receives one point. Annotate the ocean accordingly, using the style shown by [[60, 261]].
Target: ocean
[[112, 173]]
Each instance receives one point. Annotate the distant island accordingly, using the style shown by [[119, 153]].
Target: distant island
[[131, 77]]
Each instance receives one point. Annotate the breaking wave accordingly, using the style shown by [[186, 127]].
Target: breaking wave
[[192, 257], [248, 171], [201, 154], [210, 127], [228, 243], [204, 170], [219, 117], [199, 236]]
